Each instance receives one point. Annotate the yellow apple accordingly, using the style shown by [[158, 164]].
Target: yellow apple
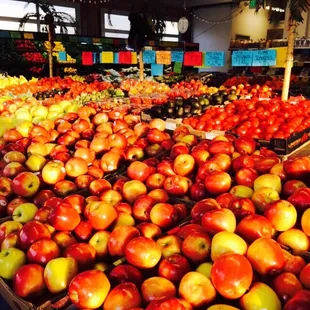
[[268, 180], [56, 108], [205, 269], [35, 162], [52, 115], [263, 196], [241, 191], [50, 147], [40, 111], [24, 128]]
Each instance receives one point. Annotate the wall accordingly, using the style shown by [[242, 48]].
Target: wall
[[213, 37]]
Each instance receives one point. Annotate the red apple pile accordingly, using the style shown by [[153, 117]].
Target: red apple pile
[[248, 231]]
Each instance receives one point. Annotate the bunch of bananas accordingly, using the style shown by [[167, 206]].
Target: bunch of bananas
[[70, 70]]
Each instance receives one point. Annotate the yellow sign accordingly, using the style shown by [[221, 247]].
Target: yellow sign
[[96, 40], [107, 57], [163, 57], [281, 57], [134, 58], [28, 36]]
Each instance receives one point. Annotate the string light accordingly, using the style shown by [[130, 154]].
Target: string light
[[276, 9]]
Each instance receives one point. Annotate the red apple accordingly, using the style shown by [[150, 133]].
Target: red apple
[[138, 170], [25, 184], [83, 253], [184, 164], [53, 172], [99, 241], [246, 177], [149, 230], [155, 180], [203, 206], [169, 244], [218, 182], [42, 251], [132, 190], [84, 230], [41, 196], [245, 145], [221, 147], [98, 186], [179, 149], [126, 273], [76, 201], [176, 185], [242, 207], [297, 167], [225, 199], [166, 303], [164, 215], [301, 199], [198, 192], [290, 187], [207, 168]]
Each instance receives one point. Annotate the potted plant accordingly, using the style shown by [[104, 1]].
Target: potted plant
[[50, 18]]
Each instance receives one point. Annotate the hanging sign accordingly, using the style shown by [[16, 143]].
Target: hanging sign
[[163, 57], [62, 56], [149, 57], [134, 58], [193, 59], [107, 57], [177, 56], [116, 58], [215, 59], [242, 58], [157, 69], [87, 58], [28, 36], [281, 57], [177, 67], [264, 58], [125, 58]]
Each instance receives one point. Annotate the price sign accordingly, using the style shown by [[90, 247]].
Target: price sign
[[193, 59], [116, 58], [149, 57], [15, 35], [177, 67], [177, 56], [281, 57], [62, 56], [157, 69], [264, 58], [242, 58], [215, 59], [96, 40], [28, 36], [87, 58], [163, 57], [134, 58], [107, 57]]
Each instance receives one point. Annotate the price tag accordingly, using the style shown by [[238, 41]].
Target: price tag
[[171, 125], [125, 58], [163, 57], [149, 57], [116, 58], [4, 34], [281, 57], [157, 69], [264, 58], [28, 36], [96, 40], [177, 56], [242, 58], [215, 59], [107, 57], [193, 59], [134, 58], [15, 35], [87, 58], [62, 56], [177, 67]]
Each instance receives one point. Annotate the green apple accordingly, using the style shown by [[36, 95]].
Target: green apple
[[56, 108], [40, 111], [35, 162], [59, 272], [25, 212], [37, 119], [205, 269], [52, 115], [10, 261], [268, 180], [65, 104], [72, 108], [25, 116]]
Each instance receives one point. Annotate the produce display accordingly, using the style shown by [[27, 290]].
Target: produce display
[[117, 213]]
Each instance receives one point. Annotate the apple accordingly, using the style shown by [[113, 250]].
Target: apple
[[165, 168], [179, 149], [300, 199], [25, 212], [125, 273], [264, 165], [281, 214], [154, 135], [10, 241], [5, 186], [169, 245], [164, 215], [217, 182], [260, 296], [153, 150], [98, 186], [205, 269], [84, 230], [196, 247], [100, 214], [25, 184], [76, 201], [138, 171], [59, 272], [14, 156], [24, 288], [221, 147], [13, 204], [41, 196], [132, 190], [203, 206], [245, 145], [227, 242], [291, 186], [159, 195], [149, 230], [52, 202], [123, 296], [266, 256], [10, 261], [241, 191], [111, 197], [184, 164], [242, 207], [12, 169], [9, 227], [142, 207], [64, 239], [64, 217], [254, 226], [297, 167], [242, 161], [110, 162], [53, 172], [120, 237], [218, 220], [165, 303], [31, 232], [246, 177], [268, 180], [137, 256], [263, 196], [100, 241], [176, 185], [35, 162], [200, 156], [301, 300], [76, 166], [155, 288], [196, 289]]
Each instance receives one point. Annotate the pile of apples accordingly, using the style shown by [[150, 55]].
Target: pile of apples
[[84, 190]]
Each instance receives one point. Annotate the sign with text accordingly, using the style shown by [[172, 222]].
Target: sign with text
[[177, 56], [134, 58], [28, 36], [177, 67], [215, 59], [264, 58], [281, 57], [149, 57], [116, 58], [125, 58], [163, 57], [62, 56], [157, 69], [242, 58], [107, 58], [87, 58], [193, 59]]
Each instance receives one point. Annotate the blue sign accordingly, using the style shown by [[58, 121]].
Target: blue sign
[[62, 56], [157, 70], [177, 56], [149, 57], [264, 58], [116, 58], [215, 59], [242, 58]]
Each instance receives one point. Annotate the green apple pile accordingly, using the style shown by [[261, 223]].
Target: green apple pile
[[74, 212]]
